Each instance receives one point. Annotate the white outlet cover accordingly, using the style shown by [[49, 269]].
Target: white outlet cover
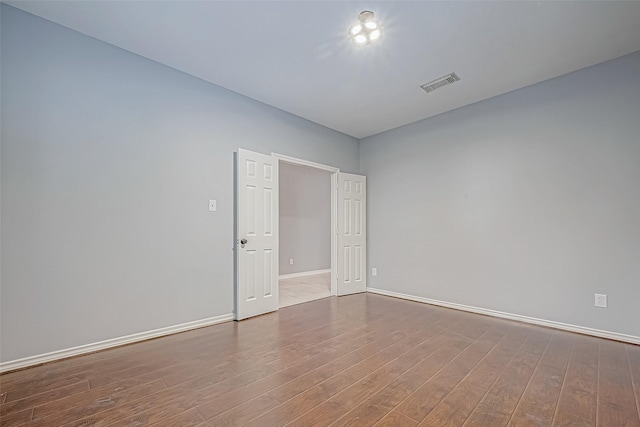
[[374, 271], [601, 300], [213, 206]]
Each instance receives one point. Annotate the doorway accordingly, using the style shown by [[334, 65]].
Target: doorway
[[256, 231], [307, 261], [305, 234]]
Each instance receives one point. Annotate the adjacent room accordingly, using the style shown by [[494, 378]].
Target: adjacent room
[[393, 213], [305, 234]]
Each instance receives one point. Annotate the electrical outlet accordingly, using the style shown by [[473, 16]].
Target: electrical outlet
[[290, 261], [213, 206], [601, 300], [374, 271]]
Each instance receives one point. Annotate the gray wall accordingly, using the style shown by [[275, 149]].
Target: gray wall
[[305, 219], [108, 163], [527, 203]]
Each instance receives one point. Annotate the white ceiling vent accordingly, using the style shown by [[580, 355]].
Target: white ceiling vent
[[442, 81]]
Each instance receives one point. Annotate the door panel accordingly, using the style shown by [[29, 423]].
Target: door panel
[[256, 226], [352, 234]]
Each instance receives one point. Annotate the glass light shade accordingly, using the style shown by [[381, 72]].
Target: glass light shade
[[372, 25], [355, 29], [360, 39], [374, 35]]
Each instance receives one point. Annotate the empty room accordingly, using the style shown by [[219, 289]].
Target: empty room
[[319, 213]]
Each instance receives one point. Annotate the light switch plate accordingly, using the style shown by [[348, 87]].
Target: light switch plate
[[213, 206]]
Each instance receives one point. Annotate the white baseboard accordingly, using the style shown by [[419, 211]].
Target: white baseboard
[[526, 319], [303, 273], [12, 365]]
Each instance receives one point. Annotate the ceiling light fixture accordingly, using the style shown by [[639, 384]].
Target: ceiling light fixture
[[366, 31]]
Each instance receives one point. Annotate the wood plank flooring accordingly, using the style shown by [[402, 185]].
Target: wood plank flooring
[[364, 359]]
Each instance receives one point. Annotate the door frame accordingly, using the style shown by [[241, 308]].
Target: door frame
[[334, 209]]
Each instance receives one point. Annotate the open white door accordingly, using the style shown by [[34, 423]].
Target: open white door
[[352, 233], [256, 234]]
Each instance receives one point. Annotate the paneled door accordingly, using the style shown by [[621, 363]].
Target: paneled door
[[256, 246], [352, 233]]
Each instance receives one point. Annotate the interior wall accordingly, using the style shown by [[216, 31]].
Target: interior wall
[[305, 219], [108, 163], [527, 203]]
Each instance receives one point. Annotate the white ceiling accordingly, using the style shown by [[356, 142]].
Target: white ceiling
[[295, 55]]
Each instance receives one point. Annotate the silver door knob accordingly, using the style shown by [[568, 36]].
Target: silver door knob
[[243, 242]]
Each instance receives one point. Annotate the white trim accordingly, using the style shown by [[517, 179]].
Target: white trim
[[302, 162], [334, 210], [12, 365], [303, 273], [334, 232], [526, 319]]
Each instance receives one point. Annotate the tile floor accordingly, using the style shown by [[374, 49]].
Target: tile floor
[[296, 290]]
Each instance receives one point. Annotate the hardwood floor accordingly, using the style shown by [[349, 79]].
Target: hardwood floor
[[363, 360], [296, 290]]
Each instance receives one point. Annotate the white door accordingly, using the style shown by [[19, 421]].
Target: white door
[[352, 233], [256, 234]]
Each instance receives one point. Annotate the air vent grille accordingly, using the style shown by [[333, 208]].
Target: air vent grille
[[438, 83]]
